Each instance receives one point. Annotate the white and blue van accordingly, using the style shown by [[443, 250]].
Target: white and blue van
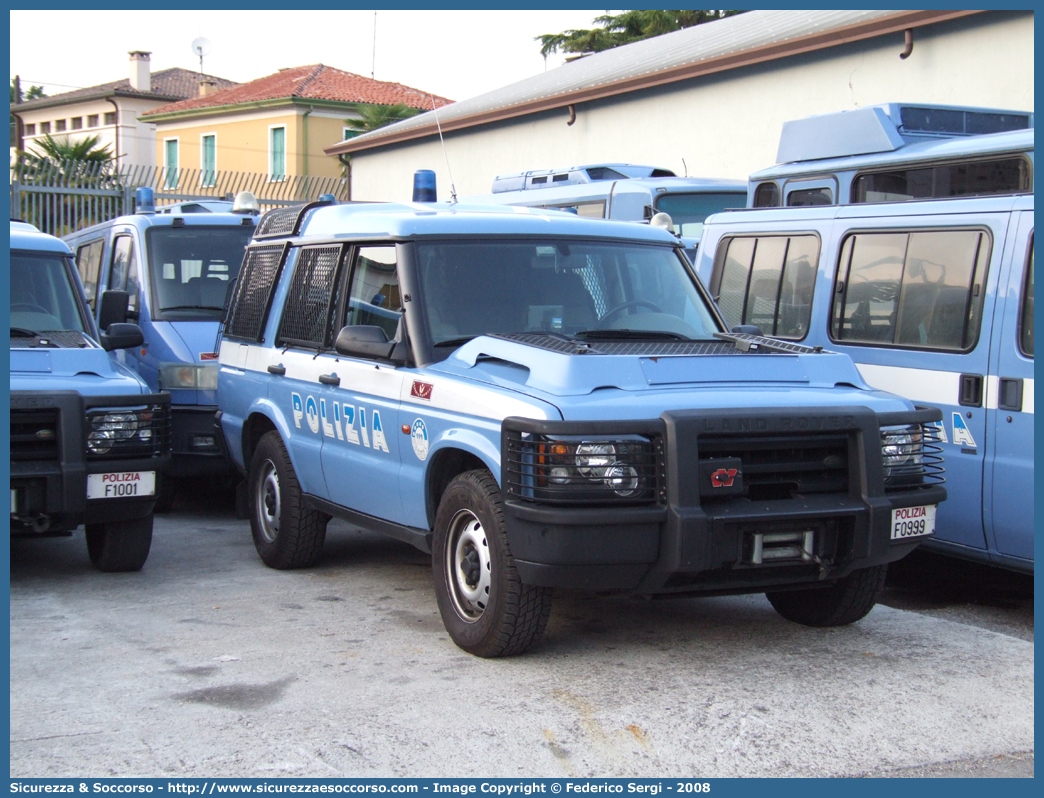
[[540, 400], [170, 274], [89, 440], [624, 192], [908, 245]]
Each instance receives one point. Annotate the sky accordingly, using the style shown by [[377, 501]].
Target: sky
[[454, 54]]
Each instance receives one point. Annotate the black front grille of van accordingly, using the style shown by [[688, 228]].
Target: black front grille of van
[[781, 467], [34, 434]]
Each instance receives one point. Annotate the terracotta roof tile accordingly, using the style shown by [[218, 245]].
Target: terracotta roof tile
[[316, 82], [167, 84]]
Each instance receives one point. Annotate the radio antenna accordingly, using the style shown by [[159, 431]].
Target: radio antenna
[[453, 188]]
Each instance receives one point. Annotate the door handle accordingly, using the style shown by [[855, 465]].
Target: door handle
[[279, 371], [970, 391], [329, 379], [1010, 394]]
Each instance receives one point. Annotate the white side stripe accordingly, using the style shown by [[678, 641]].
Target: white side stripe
[[920, 385], [935, 387]]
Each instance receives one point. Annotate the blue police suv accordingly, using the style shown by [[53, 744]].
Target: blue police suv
[[541, 401], [89, 441]]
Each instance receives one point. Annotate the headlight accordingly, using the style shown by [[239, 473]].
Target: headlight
[[571, 469], [118, 429], [181, 375], [902, 451]]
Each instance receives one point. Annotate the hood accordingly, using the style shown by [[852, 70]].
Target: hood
[[195, 338], [90, 371], [561, 368]]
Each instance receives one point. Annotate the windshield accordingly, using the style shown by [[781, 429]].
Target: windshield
[[572, 288], [43, 296], [689, 211], [191, 266]]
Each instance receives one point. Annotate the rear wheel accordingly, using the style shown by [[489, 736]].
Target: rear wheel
[[484, 605], [287, 533], [846, 601], [120, 545]]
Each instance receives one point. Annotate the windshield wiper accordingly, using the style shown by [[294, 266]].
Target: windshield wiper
[[21, 332], [456, 341], [191, 307], [629, 335]]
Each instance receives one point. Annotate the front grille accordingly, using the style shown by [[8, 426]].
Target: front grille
[[575, 470], [122, 433], [781, 467], [34, 434]]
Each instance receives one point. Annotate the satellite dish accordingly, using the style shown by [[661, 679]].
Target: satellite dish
[[201, 46]]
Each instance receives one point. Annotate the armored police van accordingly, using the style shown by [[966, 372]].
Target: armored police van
[[625, 192], [169, 273], [89, 441], [541, 401], [917, 261]]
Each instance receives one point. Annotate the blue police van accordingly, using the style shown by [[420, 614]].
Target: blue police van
[[625, 192], [169, 273], [89, 440], [908, 245], [541, 401]]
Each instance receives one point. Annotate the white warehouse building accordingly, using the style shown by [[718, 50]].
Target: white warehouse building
[[706, 101]]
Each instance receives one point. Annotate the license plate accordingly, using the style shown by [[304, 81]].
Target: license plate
[[121, 485], [913, 522]]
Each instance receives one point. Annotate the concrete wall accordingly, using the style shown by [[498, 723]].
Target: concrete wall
[[243, 140], [726, 125]]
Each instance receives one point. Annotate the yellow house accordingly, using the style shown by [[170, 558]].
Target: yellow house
[[276, 126]]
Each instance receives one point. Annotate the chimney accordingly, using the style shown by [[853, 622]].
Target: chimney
[[140, 70], [207, 86]]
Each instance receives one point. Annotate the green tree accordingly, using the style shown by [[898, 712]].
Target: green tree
[[629, 26], [377, 116]]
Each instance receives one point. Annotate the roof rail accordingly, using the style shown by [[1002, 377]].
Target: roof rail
[[574, 175], [889, 126]]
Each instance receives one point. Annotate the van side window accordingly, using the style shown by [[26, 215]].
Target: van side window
[[768, 281], [248, 313], [308, 306], [921, 290], [810, 196], [766, 195], [1026, 317], [972, 178], [373, 297], [88, 264], [123, 274]]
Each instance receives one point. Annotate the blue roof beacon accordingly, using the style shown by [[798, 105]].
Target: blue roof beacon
[[168, 270], [541, 400], [902, 236], [89, 440]]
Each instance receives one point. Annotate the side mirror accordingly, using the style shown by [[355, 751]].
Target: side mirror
[[112, 308], [122, 336], [364, 341], [747, 329]]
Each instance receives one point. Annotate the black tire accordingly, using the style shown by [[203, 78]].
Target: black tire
[[168, 492], [287, 533], [846, 601], [119, 545], [486, 609]]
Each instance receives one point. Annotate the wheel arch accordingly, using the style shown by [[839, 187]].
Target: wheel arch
[[260, 420], [447, 463]]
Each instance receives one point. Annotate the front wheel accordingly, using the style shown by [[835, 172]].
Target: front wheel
[[120, 545], [846, 601], [287, 533], [484, 605]]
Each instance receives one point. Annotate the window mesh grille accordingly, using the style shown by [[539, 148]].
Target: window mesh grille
[[307, 308], [279, 221], [257, 280]]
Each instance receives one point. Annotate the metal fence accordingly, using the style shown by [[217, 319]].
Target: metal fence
[[61, 198]]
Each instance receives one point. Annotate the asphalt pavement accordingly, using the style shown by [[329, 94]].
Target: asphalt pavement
[[209, 664]]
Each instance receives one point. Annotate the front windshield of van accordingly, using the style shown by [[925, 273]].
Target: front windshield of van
[[690, 211], [191, 267], [43, 295], [581, 289]]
